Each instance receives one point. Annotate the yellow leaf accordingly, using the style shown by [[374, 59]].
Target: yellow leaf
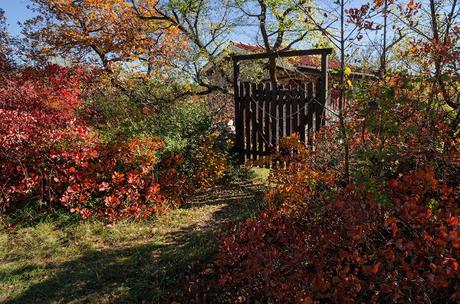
[[347, 71]]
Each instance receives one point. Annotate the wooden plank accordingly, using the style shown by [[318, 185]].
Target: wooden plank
[[319, 107], [247, 119], [281, 112], [303, 109], [275, 122], [236, 119], [310, 109], [254, 101], [267, 130], [282, 54], [274, 117], [288, 117], [295, 110], [241, 121], [260, 121]]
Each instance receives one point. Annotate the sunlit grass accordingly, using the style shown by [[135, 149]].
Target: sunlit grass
[[59, 259]]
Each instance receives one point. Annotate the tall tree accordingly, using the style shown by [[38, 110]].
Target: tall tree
[[341, 34], [5, 42], [106, 33], [207, 26], [279, 26], [434, 43]]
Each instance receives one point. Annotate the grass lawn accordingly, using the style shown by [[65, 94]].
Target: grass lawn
[[58, 259]]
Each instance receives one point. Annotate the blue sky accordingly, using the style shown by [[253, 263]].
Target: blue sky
[[15, 11]]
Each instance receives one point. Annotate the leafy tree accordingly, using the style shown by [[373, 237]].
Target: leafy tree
[[207, 25], [103, 33], [434, 46], [279, 25], [5, 42]]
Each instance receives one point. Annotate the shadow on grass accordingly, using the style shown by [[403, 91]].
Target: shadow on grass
[[144, 272]]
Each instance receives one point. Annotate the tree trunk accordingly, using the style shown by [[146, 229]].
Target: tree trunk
[[272, 70], [343, 129], [383, 58]]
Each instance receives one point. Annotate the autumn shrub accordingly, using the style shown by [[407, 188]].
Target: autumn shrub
[[389, 236], [58, 149], [397, 126], [321, 243], [112, 183], [351, 249], [37, 108], [49, 154], [191, 147], [188, 131]]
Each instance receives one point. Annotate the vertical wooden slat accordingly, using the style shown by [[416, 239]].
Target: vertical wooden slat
[[274, 117], [295, 110], [254, 101], [281, 112], [319, 107], [247, 119], [288, 110], [273, 120], [239, 140], [310, 109], [241, 118], [267, 119], [302, 111], [260, 121]]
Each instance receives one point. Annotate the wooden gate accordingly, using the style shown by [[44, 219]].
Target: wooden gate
[[267, 112]]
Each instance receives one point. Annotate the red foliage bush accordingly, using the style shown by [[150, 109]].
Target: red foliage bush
[[110, 183], [391, 236], [36, 108], [48, 153], [347, 249]]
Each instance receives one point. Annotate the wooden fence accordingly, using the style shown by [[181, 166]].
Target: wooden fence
[[265, 113]]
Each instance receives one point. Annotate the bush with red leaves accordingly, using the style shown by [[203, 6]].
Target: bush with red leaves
[[395, 240], [37, 108], [351, 249], [345, 249], [47, 153]]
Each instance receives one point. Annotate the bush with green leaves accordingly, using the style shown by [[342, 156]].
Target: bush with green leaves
[[185, 126]]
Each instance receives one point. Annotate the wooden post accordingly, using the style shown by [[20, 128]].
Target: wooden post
[[324, 87], [238, 122]]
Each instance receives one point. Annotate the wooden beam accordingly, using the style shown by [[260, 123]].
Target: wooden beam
[[294, 53]]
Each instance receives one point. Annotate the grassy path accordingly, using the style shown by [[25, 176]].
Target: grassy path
[[59, 260]]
